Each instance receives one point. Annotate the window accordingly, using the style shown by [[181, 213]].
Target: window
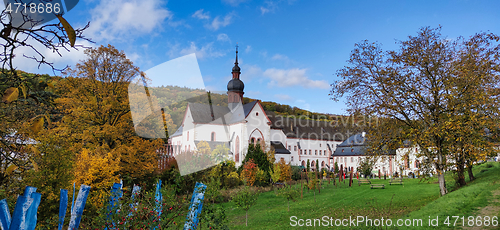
[[352, 150], [319, 145], [188, 136], [256, 113], [212, 137], [258, 140], [300, 152], [315, 152], [237, 150], [252, 140], [295, 148], [310, 152], [342, 150], [291, 158], [320, 152], [289, 147], [352, 160]]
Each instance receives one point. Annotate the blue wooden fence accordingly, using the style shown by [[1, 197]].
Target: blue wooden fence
[[25, 211]]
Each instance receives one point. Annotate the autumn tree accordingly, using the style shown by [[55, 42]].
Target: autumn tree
[[97, 120], [249, 172], [416, 90], [285, 170]]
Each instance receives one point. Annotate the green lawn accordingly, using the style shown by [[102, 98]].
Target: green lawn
[[415, 200], [339, 202]]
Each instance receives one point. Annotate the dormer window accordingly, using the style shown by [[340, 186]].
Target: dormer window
[[342, 150]]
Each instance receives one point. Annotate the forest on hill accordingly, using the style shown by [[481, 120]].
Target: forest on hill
[[174, 100]]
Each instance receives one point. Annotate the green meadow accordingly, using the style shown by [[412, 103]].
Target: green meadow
[[416, 202]]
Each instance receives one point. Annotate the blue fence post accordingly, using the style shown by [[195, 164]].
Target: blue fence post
[[196, 206], [77, 210], [133, 206], [24, 216], [32, 210], [63, 206], [4, 215], [158, 198]]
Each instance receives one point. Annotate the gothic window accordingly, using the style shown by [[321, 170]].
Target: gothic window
[[212, 137], [237, 150]]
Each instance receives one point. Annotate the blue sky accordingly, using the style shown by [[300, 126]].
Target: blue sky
[[289, 50]]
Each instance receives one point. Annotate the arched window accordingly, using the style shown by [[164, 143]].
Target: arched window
[[237, 150], [315, 152], [252, 140], [212, 136], [342, 150], [187, 136], [310, 152], [320, 152]]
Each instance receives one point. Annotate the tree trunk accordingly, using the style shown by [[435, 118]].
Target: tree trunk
[[442, 183], [469, 170], [461, 171], [439, 169]]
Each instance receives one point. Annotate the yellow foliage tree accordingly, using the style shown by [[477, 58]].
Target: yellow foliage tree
[[92, 168]]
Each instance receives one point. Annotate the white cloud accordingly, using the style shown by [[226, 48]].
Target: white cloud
[[283, 97], [199, 14], [223, 38], [67, 58], [293, 77], [248, 49], [218, 22], [280, 57], [271, 5], [250, 72], [303, 104], [120, 19], [234, 2], [205, 51]]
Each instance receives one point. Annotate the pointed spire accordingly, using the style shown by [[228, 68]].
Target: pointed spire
[[236, 54], [236, 68]]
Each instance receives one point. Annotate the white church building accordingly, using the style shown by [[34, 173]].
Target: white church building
[[295, 140]]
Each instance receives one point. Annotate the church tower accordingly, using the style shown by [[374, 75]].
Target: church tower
[[235, 86]]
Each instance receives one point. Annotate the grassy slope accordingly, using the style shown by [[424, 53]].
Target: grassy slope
[[465, 201], [416, 200], [270, 212]]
